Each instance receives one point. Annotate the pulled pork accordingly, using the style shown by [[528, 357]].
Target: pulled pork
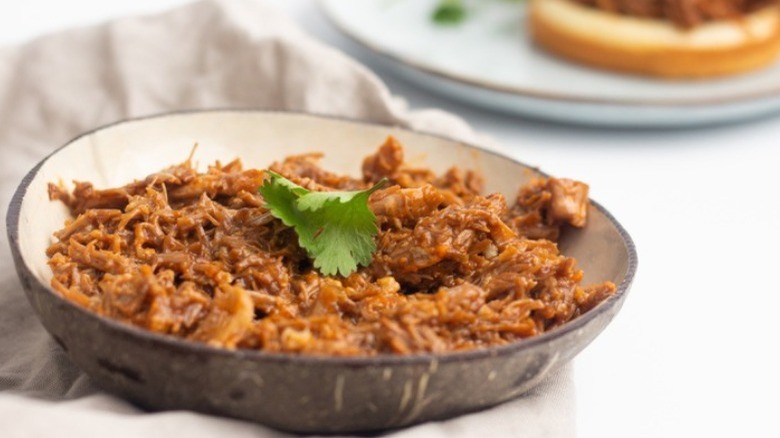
[[683, 13], [198, 256]]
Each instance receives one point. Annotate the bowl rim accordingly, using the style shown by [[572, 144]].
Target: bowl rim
[[13, 218]]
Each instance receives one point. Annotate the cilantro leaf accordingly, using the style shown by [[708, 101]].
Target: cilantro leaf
[[454, 12], [337, 229], [449, 12]]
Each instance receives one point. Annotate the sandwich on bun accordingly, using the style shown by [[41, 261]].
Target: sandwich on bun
[[661, 38]]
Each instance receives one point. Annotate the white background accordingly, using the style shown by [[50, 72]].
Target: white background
[[694, 351]]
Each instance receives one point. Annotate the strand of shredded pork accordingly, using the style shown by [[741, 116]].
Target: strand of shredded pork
[[196, 255]]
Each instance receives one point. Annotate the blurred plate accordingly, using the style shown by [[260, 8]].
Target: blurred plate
[[489, 61]]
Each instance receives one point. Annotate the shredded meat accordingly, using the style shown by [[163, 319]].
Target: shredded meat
[[683, 13], [198, 256]]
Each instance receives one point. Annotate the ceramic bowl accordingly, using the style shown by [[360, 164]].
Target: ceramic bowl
[[288, 392]]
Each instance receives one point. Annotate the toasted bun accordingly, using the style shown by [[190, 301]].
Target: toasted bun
[[655, 47]]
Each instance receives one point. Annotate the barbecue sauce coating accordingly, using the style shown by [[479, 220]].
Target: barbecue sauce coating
[[683, 13], [198, 256]]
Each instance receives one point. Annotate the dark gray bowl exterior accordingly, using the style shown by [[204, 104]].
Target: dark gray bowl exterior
[[302, 394]]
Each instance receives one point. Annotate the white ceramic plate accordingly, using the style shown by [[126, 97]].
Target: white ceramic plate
[[488, 60]]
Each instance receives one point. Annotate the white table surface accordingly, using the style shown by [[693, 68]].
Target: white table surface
[[694, 352]]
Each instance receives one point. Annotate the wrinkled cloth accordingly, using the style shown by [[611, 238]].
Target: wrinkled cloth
[[209, 54]]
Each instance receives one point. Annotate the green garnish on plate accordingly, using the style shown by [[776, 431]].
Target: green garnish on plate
[[453, 12]]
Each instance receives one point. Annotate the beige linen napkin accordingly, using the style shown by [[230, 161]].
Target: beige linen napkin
[[210, 54]]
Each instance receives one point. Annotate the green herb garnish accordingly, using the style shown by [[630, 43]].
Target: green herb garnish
[[453, 12], [337, 229], [449, 12]]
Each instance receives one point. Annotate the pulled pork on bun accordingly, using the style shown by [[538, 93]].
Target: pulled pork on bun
[[663, 38]]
